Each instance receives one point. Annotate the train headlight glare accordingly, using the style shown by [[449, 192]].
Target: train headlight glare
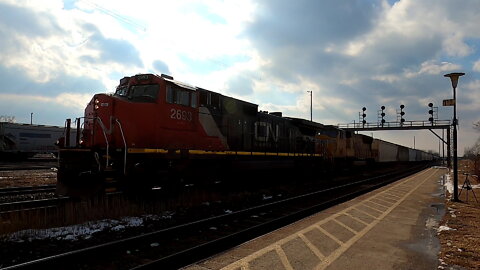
[[96, 107], [97, 101]]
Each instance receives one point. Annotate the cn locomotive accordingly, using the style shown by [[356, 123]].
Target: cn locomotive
[[154, 128]]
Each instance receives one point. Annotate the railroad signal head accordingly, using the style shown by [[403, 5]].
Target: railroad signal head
[[382, 114], [402, 113], [364, 115], [430, 111]]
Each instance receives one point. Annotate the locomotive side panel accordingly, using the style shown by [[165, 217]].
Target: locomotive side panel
[[238, 121]]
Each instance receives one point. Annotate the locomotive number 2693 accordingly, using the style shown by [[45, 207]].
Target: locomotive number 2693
[[180, 115]]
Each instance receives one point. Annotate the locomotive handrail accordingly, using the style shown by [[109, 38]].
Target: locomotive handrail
[[124, 143], [104, 133]]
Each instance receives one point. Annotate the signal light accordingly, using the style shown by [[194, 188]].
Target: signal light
[[402, 113], [383, 115], [363, 116], [430, 111]]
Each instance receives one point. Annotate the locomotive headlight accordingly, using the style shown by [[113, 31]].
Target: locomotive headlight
[[97, 101], [96, 107]]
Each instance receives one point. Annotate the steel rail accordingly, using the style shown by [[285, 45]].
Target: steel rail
[[24, 205], [26, 190]]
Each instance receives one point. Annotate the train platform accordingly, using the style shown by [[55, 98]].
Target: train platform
[[393, 227]]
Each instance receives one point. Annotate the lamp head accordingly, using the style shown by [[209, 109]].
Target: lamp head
[[454, 77]]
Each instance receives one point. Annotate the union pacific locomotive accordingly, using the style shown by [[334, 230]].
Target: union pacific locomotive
[[154, 128]]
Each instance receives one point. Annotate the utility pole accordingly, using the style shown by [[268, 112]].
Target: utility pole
[[311, 108], [31, 118]]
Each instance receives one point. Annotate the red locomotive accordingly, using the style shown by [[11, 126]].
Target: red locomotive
[[154, 127]]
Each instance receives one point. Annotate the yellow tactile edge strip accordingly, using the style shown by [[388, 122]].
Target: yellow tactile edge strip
[[343, 246]]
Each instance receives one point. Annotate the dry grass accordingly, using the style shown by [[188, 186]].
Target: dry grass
[[460, 246]]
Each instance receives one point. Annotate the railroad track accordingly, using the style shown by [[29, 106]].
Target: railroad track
[[186, 243], [10, 191], [39, 165], [10, 207], [19, 206]]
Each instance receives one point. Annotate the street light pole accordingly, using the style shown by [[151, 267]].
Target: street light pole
[[311, 108], [454, 78]]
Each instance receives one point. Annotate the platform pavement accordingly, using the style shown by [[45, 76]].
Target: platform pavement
[[393, 227]]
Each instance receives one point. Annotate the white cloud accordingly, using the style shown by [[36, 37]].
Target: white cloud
[[68, 100], [432, 67], [476, 66]]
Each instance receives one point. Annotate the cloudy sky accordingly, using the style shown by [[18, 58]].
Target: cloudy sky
[[54, 55]]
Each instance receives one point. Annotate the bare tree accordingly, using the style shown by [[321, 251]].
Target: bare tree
[[473, 152], [7, 118]]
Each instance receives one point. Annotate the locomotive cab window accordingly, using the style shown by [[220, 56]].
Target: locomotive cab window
[[144, 93], [176, 95], [122, 91]]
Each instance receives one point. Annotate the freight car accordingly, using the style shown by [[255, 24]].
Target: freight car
[[25, 140], [154, 128]]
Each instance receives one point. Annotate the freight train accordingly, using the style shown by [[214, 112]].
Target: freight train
[[154, 128], [20, 141]]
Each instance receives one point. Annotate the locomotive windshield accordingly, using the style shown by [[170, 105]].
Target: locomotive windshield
[[144, 93], [121, 91]]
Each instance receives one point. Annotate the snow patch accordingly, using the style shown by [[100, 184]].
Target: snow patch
[[445, 228], [82, 231], [266, 197]]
